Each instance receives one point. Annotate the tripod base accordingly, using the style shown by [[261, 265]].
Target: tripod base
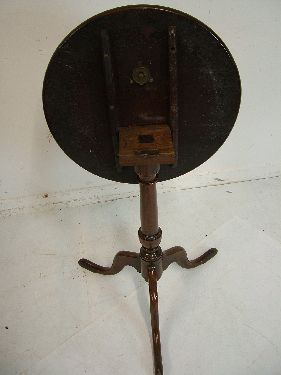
[[175, 254]]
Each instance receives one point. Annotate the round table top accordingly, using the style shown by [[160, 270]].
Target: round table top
[[77, 102]]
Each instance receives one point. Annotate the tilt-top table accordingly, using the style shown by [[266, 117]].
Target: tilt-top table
[[141, 94]]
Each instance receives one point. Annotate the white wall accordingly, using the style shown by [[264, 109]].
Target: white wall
[[32, 164]]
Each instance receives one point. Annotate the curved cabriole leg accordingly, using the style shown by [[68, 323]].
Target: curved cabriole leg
[[152, 281], [178, 255], [121, 259]]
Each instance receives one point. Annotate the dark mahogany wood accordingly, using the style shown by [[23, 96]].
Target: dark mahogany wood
[[189, 82], [148, 199], [134, 88], [178, 255], [150, 261], [121, 259], [152, 282]]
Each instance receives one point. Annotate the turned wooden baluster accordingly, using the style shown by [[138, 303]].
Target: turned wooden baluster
[[151, 254], [150, 261]]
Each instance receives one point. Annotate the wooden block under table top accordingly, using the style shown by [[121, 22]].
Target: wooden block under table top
[[145, 144]]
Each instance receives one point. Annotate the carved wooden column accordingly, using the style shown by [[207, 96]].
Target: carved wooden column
[[149, 233], [151, 253]]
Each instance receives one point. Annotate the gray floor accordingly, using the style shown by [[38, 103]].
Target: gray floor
[[223, 317]]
